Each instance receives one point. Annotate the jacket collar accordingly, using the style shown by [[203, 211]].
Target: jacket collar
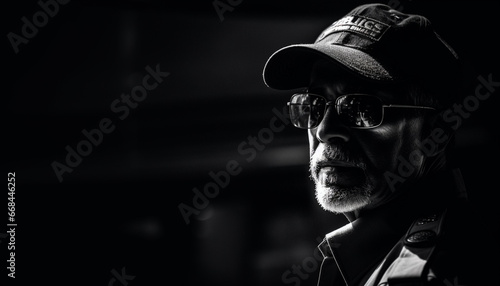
[[360, 245]]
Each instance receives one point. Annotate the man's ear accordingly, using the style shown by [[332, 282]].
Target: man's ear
[[437, 135]]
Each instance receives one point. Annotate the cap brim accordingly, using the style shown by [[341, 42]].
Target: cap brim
[[290, 67]]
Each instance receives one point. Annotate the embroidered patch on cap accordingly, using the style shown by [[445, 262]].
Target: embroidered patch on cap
[[368, 27]]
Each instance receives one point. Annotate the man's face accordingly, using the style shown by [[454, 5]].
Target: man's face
[[349, 166]]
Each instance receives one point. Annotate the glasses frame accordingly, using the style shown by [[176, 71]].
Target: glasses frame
[[337, 110]]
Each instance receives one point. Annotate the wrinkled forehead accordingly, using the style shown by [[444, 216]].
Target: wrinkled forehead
[[331, 80]]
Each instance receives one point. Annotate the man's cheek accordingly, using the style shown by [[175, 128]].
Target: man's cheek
[[381, 146], [313, 141]]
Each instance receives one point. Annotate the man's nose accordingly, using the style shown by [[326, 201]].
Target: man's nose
[[331, 128]]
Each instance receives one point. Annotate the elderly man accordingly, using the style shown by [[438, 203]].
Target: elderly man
[[378, 85]]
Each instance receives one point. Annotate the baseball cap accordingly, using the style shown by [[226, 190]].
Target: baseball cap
[[375, 42]]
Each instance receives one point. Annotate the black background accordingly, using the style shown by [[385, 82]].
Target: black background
[[118, 209]]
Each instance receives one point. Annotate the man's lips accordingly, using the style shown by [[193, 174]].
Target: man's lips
[[335, 163], [339, 173]]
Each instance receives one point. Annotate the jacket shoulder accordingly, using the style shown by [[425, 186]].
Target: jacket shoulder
[[466, 250]]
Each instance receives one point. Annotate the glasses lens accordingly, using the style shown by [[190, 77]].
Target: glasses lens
[[306, 110], [360, 110]]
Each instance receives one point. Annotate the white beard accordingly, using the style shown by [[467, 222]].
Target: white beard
[[342, 200], [334, 197]]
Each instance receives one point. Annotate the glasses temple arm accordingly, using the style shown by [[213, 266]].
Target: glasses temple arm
[[408, 106]]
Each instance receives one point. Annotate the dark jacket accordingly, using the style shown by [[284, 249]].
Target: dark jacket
[[429, 236]]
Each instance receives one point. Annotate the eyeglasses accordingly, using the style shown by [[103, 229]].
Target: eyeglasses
[[360, 111]]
